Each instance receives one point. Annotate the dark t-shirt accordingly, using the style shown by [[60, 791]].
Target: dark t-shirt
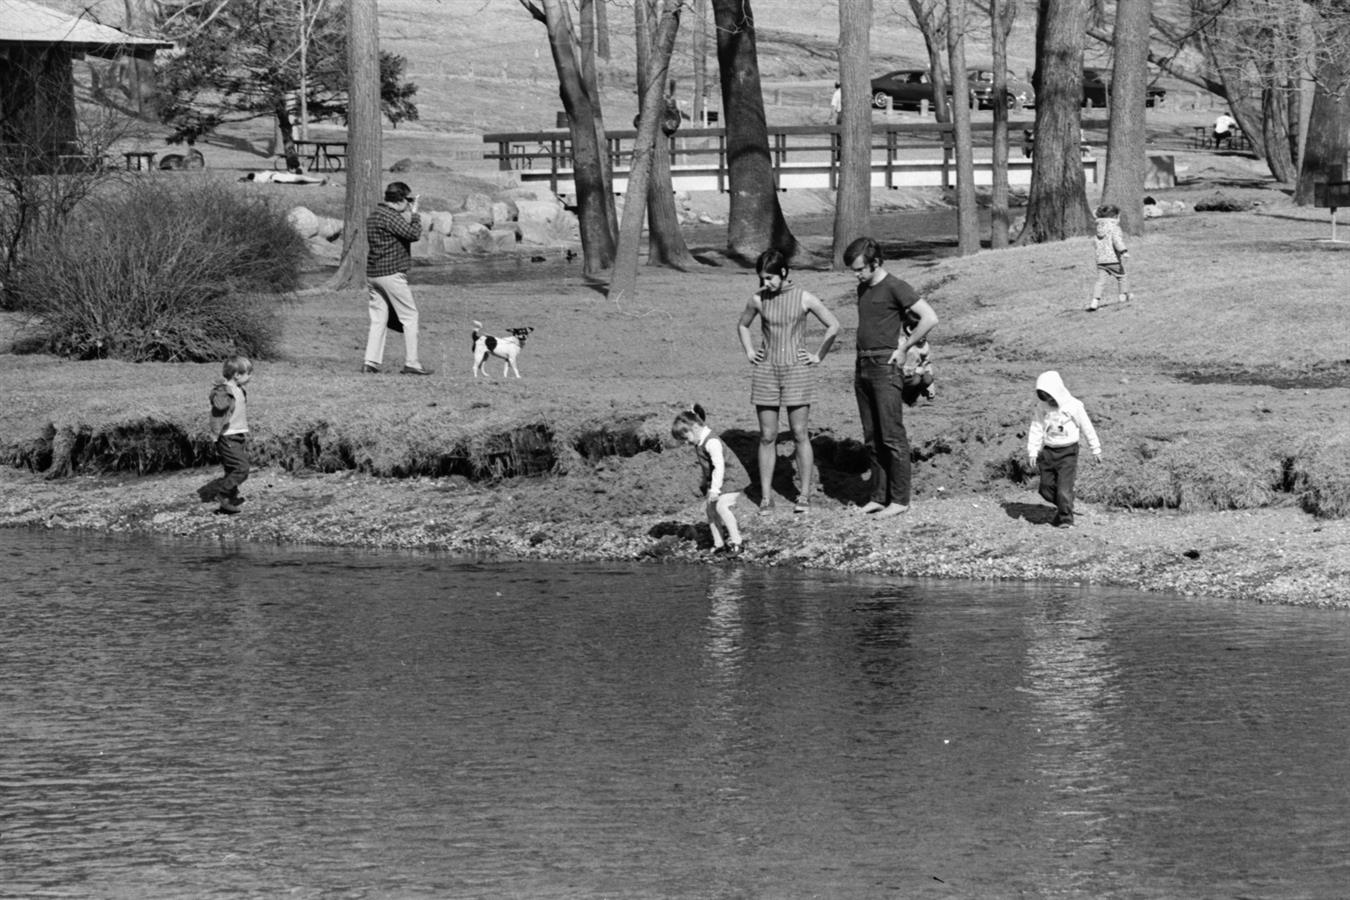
[[885, 311]]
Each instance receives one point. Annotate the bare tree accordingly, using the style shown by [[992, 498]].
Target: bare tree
[[364, 163], [853, 200], [756, 220], [1057, 204], [967, 221], [1001, 15], [699, 50], [665, 240], [931, 18], [1126, 136], [595, 201], [1328, 142], [653, 68]]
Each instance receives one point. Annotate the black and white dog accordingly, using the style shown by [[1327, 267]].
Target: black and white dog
[[505, 348]]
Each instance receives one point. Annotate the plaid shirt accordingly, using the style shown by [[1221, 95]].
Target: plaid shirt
[[390, 236]]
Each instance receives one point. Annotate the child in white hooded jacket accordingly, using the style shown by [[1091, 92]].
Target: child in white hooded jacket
[[1057, 426]]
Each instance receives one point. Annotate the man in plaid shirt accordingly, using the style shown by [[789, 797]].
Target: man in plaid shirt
[[390, 230]]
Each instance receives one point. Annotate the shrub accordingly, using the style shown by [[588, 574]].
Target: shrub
[[1320, 473], [165, 270]]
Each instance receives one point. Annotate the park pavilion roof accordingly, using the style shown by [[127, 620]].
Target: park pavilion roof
[[27, 23]]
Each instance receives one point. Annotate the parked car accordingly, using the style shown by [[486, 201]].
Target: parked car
[[908, 88], [1097, 89], [1020, 94], [905, 88]]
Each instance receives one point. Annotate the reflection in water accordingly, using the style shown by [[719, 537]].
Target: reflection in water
[[1069, 677], [188, 720]]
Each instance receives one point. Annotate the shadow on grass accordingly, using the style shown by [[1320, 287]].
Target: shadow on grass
[[1034, 513]]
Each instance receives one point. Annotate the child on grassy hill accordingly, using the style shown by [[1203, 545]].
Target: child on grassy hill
[[1052, 443], [229, 423], [1110, 249], [691, 427]]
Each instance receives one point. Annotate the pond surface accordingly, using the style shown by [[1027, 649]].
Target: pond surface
[[193, 721]]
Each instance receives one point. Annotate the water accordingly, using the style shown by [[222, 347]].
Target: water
[[194, 721]]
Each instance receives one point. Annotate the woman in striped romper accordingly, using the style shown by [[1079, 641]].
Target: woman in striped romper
[[782, 373]]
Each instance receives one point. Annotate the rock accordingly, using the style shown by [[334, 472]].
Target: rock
[[323, 249], [439, 222], [544, 222], [525, 193], [503, 213], [403, 165], [330, 229], [478, 216], [477, 239], [503, 240], [478, 203], [305, 223]]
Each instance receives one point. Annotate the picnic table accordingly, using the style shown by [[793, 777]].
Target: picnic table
[[328, 156]]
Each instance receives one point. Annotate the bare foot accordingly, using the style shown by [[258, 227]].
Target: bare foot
[[766, 507], [894, 509], [873, 507]]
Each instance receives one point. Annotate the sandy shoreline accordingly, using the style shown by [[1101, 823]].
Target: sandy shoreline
[[1205, 490], [1267, 556]]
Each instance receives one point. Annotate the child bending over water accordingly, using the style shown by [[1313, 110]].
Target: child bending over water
[[691, 427]]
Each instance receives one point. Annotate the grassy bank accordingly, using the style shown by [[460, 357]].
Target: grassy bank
[[1219, 394]]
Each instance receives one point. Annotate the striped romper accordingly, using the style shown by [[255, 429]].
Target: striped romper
[[782, 379]]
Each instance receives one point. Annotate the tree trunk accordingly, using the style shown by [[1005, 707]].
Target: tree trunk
[[700, 54], [140, 70], [1001, 14], [1057, 204], [756, 220], [1275, 134], [1126, 137], [623, 286], [363, 140], [967, 216], [586, 50], [595, 200], [287, 132], [1328, 141], [931, 19], [853, 200], [665, 241]]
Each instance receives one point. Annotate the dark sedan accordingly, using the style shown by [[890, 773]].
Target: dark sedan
[[1097, 89], [905, 88]]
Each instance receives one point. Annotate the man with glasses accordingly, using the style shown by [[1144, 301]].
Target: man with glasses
[[892, 319], [390, 230]]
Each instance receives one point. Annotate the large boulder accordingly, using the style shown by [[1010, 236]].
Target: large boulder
[[503, 240], [476, 238], [439, 222], [478, 203], [329, 229], [305, 223], [503, 213], [544, 222]]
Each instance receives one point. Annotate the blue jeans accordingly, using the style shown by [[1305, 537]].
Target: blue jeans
[[880, 389]]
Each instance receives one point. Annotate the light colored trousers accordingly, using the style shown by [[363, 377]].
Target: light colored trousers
[[387, 291]]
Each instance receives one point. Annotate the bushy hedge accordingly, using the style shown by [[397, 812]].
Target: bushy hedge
[[165, 270]]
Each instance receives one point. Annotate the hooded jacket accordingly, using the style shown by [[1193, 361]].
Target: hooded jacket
[[1059, 426]]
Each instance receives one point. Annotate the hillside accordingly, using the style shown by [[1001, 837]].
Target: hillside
[[483, 65]]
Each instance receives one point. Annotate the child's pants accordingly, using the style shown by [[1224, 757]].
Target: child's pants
[[233, 452], [1058, 467], [1115, 270]]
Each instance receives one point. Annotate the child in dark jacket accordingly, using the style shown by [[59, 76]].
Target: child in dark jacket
[[229, 423]]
